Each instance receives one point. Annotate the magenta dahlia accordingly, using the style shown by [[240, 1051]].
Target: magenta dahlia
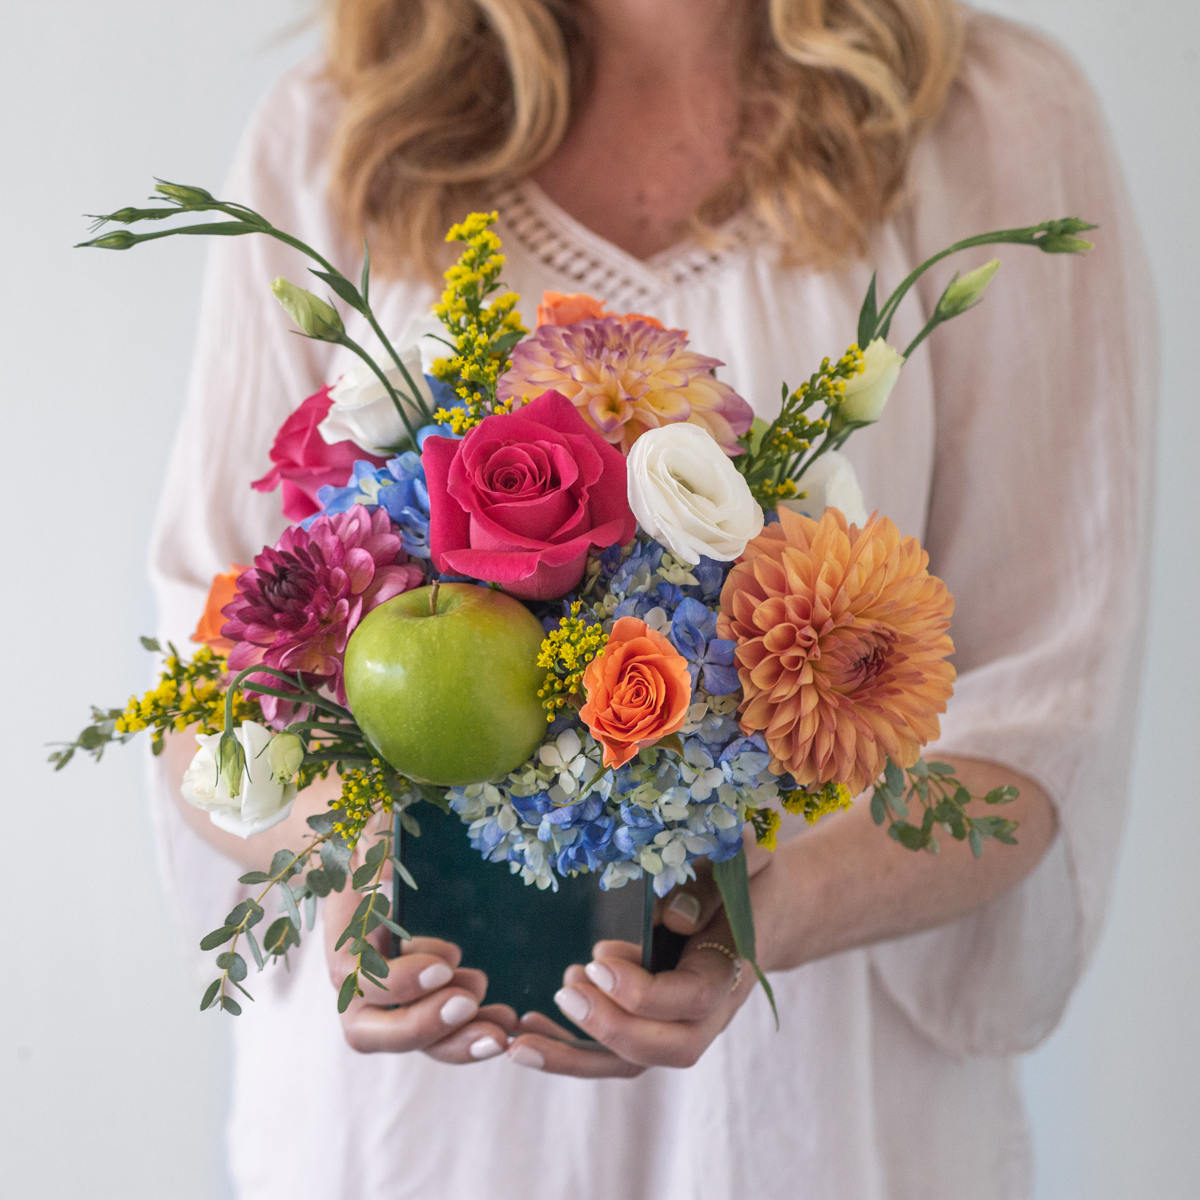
[[299, 603]]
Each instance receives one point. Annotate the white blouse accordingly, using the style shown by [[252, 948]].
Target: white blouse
[[1015, 446]]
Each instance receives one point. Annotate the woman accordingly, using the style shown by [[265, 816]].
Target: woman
[[737, 168]]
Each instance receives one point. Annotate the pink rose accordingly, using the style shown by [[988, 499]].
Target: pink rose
[[522, 499], [304, 461]]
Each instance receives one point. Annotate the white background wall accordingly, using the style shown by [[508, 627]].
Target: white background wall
[[111, 1083]]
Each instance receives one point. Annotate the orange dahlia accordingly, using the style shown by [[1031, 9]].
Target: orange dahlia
[[842, 644]]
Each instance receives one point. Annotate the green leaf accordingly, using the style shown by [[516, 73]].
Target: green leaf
[[234, 963], [310, 911], [409, 823], [364, 284], [398, 930], [976, 840], [363, 876], [893, 778], [322, 822], [342, 286], [254, 877], [671, 742], [868, 317], [151, 644], [317, 882], [404, 873], [733, 880], [878, 808], [279, 862], [940, 768], [254, 949], [287, 900], [1001, 795], [210, 994], [280, 936], [249, 911], [371, 960], [218, 937], [347, 991], [230, 1005], [377, 852]]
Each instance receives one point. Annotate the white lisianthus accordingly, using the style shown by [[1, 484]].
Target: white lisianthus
[[688, 496], [364, 413], [868, 392], [830, 483], [263, 799]]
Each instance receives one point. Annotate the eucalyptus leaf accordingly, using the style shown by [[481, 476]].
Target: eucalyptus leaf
[[371, 960], [310, 911], [254, 949], [218, 937], [231, 1006], [347, 991], [404, 873], [151, 644], [210, 994], [287, 901]]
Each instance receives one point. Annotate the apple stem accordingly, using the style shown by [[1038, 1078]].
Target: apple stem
[[437, 583]]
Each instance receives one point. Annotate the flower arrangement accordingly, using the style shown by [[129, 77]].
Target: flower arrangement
[[679, 621]]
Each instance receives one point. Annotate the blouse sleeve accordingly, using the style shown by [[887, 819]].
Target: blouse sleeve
[[249, 373], [1038, 522]]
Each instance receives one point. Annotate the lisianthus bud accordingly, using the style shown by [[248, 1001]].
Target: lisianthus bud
[[311, 314], [285, 753], [231, 778], [866, 394], [183, 193], [966, 291]]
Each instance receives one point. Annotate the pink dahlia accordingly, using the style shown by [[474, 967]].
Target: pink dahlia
[[626, 377], [299, 603]]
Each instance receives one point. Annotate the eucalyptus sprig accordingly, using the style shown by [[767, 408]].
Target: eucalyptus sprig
[[315, 318], [944, 800]]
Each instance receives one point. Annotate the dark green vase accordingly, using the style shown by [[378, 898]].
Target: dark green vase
[[521, 937]]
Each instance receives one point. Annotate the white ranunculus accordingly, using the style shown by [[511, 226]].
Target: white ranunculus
[[262, 799], [688, 496], [364, 413], [868, 392], [830, 483]]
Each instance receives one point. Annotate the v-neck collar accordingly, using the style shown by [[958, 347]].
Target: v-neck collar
[[591, 263]]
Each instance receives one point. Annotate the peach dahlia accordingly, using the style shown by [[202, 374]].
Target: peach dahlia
[[842, 641]]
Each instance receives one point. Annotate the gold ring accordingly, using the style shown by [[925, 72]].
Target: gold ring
[[729, 954]]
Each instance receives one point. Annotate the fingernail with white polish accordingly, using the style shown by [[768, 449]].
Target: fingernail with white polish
[[575, 1004], [686, 906], [601, 976], [486, 1047], [436, 976], [526, 1056], [457, 1009]]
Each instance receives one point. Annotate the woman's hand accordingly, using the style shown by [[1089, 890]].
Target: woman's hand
[[663, 1020], [429, 1002]]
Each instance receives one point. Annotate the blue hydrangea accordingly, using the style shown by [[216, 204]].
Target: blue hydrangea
[[694, 632]]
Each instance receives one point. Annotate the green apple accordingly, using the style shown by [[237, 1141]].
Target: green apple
[[449, 697]]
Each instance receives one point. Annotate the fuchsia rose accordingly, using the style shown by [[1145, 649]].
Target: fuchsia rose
[[305, 462], [297, 606], [522, 499]]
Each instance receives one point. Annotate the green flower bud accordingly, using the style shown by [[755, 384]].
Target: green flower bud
[[312, 315], [1058, 244], [285, 753], [182, 194], [231, 763], [118, 239], [966, 291]]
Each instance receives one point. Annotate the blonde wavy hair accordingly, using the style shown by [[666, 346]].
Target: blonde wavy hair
[[446, 98]]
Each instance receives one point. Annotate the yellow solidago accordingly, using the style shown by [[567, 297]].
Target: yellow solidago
[[364, 793], [833, 797], [565, 654], [484, 331], [188, 693], [766, 822]]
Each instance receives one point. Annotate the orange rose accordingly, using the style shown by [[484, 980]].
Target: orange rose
[[559, 309], [638, 691], [224, 588]]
